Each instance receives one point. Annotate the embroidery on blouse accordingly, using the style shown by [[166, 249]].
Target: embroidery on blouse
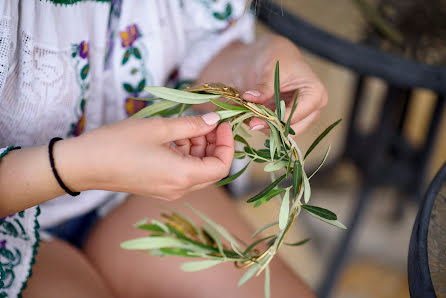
[[14, 227], [9, 258], [134, 50], [80, 52], [225, 16]]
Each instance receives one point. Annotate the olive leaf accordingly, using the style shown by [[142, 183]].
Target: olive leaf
[[199, 265], [267, 190], [231, 178], [151, 243], [228, 106], [179, 95], [284, 209], [155, 108], [299, 243], [293, 108], [321, 212], [320, 137], [297, 177], [265, 227], [321, 163], [277, 90], [227, 114], [267, 283], [275, 166]]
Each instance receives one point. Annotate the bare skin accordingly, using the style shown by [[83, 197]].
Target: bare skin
[[142, 148]]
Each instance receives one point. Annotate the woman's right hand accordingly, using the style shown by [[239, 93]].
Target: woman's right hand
[[137, 156]]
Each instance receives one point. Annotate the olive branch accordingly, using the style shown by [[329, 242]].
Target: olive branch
[[180, 236]]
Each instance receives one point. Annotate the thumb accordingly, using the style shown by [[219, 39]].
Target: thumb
[[189, 127], [260, 93]]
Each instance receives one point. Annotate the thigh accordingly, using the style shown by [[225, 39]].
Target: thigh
[[63, 271], [135, 274]]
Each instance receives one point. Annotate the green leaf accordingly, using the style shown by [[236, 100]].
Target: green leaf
[[84, 71], [275, 166], [321, 212], [320, 137], [269, 196], [181, 252], [232, 177], [266, 190], [288, 128], [154, 109], [298, 243], [141, 85], [307, 187], [240, 139], [322, 162], [277, 90], [267, 226], [272, 145], [255, 243], [249, 273], [297, 177], [228, 106], [335, 223], [199, 265], [215, 237], [222, 231], [228, 114], [126, 57], [179, 95], [284, 210], [127, 87], [137, 53], [282, 110], [267, 283], [239, 154], [150, 227], [151, 243]]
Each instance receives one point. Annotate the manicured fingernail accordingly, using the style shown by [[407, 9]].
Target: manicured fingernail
[[254, 93], [211, 118], [258, 127]]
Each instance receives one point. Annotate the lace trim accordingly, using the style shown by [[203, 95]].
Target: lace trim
[[6, 151]]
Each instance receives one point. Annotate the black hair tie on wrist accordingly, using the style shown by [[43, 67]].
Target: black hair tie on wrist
[[53, 167]]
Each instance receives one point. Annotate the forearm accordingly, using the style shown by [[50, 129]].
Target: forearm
[[26, 178]]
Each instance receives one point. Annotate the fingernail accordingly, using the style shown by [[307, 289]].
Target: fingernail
[[254, 93], [258, 127], [210, 118]]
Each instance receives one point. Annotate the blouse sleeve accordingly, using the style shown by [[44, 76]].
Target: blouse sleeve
[[19, 239], [210, 26]]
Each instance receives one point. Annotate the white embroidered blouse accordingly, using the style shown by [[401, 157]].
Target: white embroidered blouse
[[69, 66]]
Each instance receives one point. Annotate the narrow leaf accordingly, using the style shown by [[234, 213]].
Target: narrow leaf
[[275, 166], [335, 223], [282, 110], [267, 283], [228, 106], [249, 273], [321, 212], [222, 231], [154, 109], [297, 177], [228, 114], [269, 196], [239, 154], [293, 108], [277, 89], [298, 243], [240, 139], [182, 252], [232, 177], [214, 235], [320, 137], [151, 243], [266, 190], [284, 210], [255, 243], [272, 145], [267, 226], [179, 95], [199, 265], [322, 162], [307, 187]]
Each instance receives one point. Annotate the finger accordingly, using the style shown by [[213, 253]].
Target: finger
[[183, 146], [215, 166], [260, 93], [309, 101], [198, 147], [257, 124], [210, 149], [172, 129], [300, 126]]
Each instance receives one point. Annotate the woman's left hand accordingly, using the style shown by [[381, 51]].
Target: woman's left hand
[[295, 74], [250, 68]]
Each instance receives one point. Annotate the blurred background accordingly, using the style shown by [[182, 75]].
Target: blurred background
[[376, 261]]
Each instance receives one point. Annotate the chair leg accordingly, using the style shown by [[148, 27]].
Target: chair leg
[[341, 254]]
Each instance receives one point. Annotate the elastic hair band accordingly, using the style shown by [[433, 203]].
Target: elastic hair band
[[53, 167]]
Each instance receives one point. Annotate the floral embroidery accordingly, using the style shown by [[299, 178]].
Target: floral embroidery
[[81, 53], [9, 258], [226, 15], [13, 227], [134, 50]]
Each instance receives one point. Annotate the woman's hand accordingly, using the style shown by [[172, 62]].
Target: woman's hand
[[160, 158], [250, 67]]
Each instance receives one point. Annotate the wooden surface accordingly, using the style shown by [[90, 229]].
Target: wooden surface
[[436, 244]]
